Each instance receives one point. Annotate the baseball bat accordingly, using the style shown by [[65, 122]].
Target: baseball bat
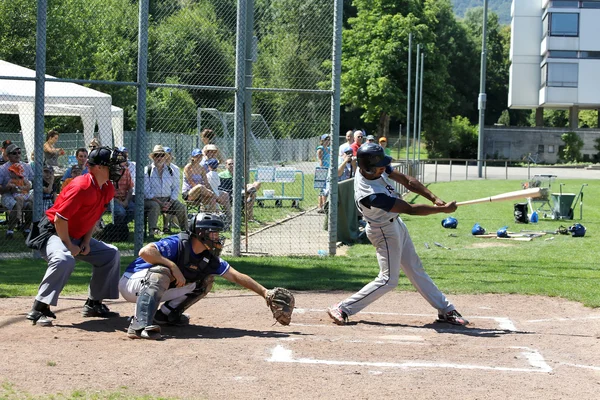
[[519, 194]]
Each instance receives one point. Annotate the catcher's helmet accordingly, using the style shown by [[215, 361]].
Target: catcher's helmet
[[577, 230], [201, 224], [370, 156], [477, 230], [450, 223]]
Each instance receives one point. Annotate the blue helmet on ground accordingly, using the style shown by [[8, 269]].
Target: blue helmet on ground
[[502, 232], [577, 230], [478, 230], [450, 223], [371, 156]]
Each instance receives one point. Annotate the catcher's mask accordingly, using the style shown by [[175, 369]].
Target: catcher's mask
[[371, 156], [111, 158], [450, 223], [577, 230], [201, 225]]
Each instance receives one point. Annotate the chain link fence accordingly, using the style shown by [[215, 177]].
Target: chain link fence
[[167, 89]]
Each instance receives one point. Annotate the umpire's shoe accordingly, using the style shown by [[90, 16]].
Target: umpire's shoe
[[452, 317], [95, 308], [40, 314]]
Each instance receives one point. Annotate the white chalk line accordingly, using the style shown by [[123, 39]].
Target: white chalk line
[[504, 323], [556, 319], [534, 358], [580, 366]]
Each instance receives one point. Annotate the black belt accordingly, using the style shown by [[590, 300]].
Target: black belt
[[391, 220]]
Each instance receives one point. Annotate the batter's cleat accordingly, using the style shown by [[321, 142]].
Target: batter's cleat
[[40, 314], [95, 308], [338, 316], [151, 332], [174, 319], [452, 317]]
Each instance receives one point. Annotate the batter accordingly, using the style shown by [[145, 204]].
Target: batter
[[380, 205]]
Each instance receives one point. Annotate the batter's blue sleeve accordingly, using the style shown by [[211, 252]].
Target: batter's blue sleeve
[[379, 200]]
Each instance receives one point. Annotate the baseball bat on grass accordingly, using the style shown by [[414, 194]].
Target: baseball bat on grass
[[519, 194]]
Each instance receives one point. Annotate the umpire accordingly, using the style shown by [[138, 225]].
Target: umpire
[[65, 235]]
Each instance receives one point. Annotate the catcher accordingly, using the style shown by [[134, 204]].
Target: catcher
[[179, 270]]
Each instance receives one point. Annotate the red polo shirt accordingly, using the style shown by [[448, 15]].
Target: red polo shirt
[[354, 146], [82, 203]]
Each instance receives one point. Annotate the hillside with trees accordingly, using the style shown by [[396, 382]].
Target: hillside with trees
[[500, 7]]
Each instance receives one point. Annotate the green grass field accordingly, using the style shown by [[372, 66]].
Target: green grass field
[[565, 266]]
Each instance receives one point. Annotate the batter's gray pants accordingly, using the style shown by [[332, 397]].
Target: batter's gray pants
[[395, 250], [105, 260]]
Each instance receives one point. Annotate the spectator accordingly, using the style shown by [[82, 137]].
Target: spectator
[[82, 155], [161, 191], [196, 188], [4, 158], [32, 160], [370, 139], [168, 223], [48, 195], [213, 179], [75, 171], [94, 143], [51, 152], [324, 159], [208, 137], [20, 197], [345, 146], [209, 151], [130, 166], [383, 143], [7, 188], [226, 178], [358, 141], [124, 202], [347, 166]]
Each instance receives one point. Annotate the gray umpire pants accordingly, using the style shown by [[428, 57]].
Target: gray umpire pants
[[105, 260], [395, 251]]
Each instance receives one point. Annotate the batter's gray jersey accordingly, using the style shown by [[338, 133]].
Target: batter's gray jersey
[[395, 251]]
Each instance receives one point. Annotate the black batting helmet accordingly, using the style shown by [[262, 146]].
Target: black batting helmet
[[370, 156]]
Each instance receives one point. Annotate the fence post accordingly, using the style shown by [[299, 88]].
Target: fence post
[[141, 136], [506, 168], [436, 170], [466, 170], [40, 82], [450, 179]]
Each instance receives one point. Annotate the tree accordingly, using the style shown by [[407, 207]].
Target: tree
[[573, 145]]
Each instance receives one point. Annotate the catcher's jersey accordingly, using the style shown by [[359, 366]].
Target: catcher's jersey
[[364, 187]]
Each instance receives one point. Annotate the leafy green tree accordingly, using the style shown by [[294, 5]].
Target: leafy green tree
[[552, 118], [597, 147], [463, 142], [171, 110], [588, 118], [573, 145]]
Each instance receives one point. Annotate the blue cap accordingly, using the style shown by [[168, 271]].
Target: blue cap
[[324, 136], [212, 162], [123, 149], [168, 150], [196, 152]]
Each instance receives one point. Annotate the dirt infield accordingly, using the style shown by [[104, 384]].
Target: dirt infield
[[517, 347]]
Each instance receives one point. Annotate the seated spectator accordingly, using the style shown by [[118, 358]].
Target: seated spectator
[[82, 155], [94, 143], [75, 171], [7, 189], [161, 191], [383, 143], [249, 194], [213, 179], [196, 188], [208, 137], [21, 196], [370, 139], [209, 151], [4, 155], [48, 195], [124, 202]]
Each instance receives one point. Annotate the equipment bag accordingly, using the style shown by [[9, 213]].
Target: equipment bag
[[521, 213]]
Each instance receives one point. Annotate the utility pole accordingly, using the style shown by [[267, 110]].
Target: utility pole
[[482, 96], [408, 95]]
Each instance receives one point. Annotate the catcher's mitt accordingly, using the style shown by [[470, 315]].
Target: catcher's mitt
[[281, 302]]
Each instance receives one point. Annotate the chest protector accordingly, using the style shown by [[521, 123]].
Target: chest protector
[[195, 269]]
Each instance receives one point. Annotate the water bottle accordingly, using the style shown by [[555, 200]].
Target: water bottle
[[534, 217], [322, 253]]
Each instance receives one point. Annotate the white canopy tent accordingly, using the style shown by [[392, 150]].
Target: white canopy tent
[[61, 98]]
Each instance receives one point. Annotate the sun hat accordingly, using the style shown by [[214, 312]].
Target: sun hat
[[157, 150], [209, 147]]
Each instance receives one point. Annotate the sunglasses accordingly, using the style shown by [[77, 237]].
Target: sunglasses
[[159, 155], [229, 163], [15, 153]]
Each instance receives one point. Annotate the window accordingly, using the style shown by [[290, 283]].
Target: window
[[540, 149], [562, 75], [563, 54], [544, 75], [565, 4], [564, 24], [550, 148], [590, 4], [590, 54]]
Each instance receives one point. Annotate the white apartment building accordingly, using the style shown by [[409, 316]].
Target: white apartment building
[[555, 56]]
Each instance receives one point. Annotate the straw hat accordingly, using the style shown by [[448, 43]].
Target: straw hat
[[157, 150], [209, 147]]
